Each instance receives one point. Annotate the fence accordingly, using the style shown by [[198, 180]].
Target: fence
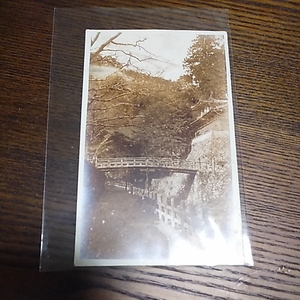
[[166, 210], [171, 215]]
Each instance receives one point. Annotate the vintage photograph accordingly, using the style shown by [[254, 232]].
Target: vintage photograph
[[158, 182]]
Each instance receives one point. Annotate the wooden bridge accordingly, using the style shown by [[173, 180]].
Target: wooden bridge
[[175, 165]]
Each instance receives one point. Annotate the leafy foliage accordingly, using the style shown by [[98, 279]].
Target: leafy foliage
[[205, 65], [135, 114]]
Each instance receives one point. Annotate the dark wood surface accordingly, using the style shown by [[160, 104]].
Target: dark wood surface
[[266, 49]]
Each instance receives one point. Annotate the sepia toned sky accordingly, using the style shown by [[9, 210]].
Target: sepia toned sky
[[167, 49]]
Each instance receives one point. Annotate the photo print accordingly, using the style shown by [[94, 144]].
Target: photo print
[[158, 182]]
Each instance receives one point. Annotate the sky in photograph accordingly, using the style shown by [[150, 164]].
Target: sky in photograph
[[166, 48]]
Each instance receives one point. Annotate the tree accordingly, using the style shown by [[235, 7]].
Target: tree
[[123, 55], [130, 112], [205, 65]]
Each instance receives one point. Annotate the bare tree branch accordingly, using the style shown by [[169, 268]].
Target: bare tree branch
[[128, 54], [121, 118], [137, 44], [106, 43], [113, 105], [95, 39], [134, 45]]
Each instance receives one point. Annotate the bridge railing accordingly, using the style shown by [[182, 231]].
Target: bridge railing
[[146, 162]]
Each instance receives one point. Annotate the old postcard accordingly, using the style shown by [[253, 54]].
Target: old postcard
[[158, 182]]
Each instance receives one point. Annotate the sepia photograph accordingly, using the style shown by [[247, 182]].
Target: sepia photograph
[[158, 181]]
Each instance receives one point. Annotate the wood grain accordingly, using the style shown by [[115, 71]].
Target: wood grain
[[266, 55]]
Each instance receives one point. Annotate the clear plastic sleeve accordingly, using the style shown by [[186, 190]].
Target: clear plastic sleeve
[[184, 194]]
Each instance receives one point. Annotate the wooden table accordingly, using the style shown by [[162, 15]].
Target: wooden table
[[266, 48]]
